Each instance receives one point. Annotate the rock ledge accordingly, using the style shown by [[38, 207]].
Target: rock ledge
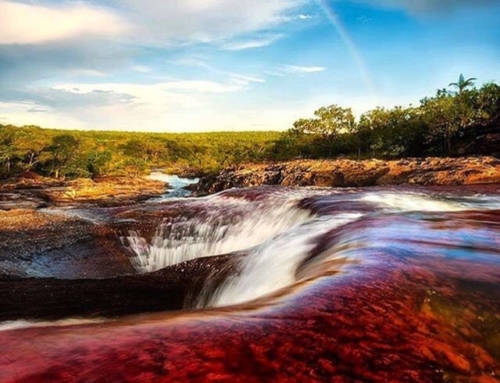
[[351, 173]]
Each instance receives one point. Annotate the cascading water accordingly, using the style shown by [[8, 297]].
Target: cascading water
[[273, 264], [229, 225], [276, 235], [309, 285]]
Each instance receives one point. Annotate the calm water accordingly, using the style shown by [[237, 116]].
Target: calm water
[[342, 285]]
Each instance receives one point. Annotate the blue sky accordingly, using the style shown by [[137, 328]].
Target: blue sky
[[201, 65]]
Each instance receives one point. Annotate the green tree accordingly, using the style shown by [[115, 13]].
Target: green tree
[[99, 162], [488, 102], [31, 143], [447, 116], [462, 83], [147, 150], [134, 166], [328, 123], [392, 132], [64, 150]]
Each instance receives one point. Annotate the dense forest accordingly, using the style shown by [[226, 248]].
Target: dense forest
[[442, 125]]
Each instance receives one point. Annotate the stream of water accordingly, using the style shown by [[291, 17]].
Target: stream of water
[[176, 185], [377, 284]]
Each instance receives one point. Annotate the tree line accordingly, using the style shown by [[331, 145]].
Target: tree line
[[74, 154], [439, 126]]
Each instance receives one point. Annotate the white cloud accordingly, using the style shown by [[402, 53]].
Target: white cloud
[[201, 86], [253, 43], [171, 105], [37, 109], [303, 69], [364, 19], [244, 79], [207, 21], [35, 24], [19, 113], [141, 69], [149, 22], [64, 98], [294, 69], [81, 95], [65, 42], [175, 114], [57, 39], [189, 62], [86, 73]]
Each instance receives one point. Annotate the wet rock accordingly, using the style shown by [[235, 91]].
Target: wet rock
[[53, 244], [172, 288], [12, 201]]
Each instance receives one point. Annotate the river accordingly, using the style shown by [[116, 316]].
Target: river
[[176, 184], [395, 284]]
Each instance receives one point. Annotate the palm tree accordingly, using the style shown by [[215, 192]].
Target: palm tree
[[462, 83]]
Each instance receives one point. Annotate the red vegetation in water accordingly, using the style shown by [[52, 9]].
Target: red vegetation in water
[[412, 311]]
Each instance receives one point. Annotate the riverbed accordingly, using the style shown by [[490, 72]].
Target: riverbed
[[260, 284]]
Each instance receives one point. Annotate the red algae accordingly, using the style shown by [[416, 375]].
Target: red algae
[[418, 301]]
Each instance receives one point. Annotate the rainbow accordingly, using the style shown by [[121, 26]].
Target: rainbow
[[351, 46]]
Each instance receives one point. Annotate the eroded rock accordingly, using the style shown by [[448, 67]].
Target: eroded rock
[[351, 173], [38, 191]]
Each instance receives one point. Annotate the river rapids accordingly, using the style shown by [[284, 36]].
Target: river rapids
[[268, 284]]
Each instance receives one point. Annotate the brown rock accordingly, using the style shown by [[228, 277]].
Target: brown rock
[[350, 173], [54, 244], [106, 191]]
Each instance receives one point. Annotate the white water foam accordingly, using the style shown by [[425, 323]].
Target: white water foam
[[22, 324], [174, 181], [233, 224], [276, 234], [404, 202], [272, 265], [240, 225], [411, 202]]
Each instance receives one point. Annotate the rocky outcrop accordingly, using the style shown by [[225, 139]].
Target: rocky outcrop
[[66, 262], [172, 288], [32, 192], [106, 189], [60, 244], [351, 173]]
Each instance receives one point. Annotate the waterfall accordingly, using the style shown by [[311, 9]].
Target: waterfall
[[273, 264], [274, 233], [239, 225]]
